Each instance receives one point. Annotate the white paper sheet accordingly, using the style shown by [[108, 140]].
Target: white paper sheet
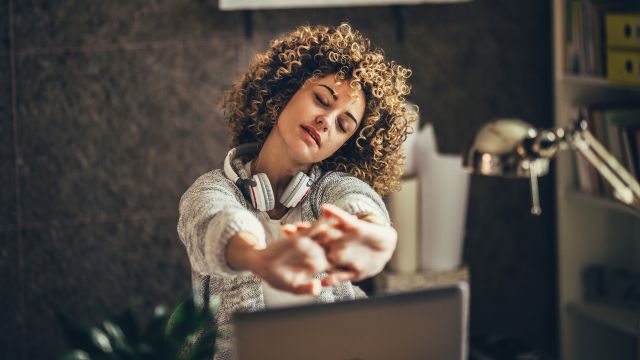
[[444, 189]]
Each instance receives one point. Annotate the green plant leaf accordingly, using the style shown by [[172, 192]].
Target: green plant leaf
[[155, 327], [117, 338], [127, 323], [75, 355], [183, 335], [182, 320], [78, 335], [204, 346], [145, 350], [154, 334], [101, 340]]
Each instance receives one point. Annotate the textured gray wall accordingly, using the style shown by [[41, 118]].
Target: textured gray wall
[[107, 114]]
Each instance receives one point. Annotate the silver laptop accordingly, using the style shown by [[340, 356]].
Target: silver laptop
[[427, 324]]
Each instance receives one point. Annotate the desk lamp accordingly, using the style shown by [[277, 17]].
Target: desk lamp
[[513, 148]]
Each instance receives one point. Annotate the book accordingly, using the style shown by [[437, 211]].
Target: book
[[598, 131], [586, 35], [586, 175], [623, 66], [587, 179], [623, 30], [577, 51], [598, 10], [627, 150], [614, 126], [636, 150], [630, 149], [614, 119]]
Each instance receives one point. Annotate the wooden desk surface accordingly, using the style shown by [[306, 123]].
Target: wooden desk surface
[[388, 282]]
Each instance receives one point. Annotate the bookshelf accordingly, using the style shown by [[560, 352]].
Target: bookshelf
[[590, 229]]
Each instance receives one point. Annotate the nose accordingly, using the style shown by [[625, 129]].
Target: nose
[[321, 123]]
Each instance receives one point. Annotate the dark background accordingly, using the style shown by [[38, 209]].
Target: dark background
[[108, 113]]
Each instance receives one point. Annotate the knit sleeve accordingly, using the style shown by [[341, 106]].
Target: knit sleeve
[[212, 210], [352, 195]]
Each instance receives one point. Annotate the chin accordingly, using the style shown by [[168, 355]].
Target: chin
[[302, 154], [306, 160]]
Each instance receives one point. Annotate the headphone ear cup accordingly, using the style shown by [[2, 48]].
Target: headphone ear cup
[[296, 190], [264, 198]]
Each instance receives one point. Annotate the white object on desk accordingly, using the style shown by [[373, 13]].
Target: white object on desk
[[444, 187], [405, 216]]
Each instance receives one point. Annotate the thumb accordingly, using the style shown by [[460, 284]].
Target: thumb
[[312, 287], [338, 277], [345, 220]]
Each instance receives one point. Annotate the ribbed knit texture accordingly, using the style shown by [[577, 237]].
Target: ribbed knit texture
[[213, 210]]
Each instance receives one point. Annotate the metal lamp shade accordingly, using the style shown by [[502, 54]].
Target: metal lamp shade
[[501, 148]]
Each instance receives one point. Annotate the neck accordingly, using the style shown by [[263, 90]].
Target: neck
[[275, 162]]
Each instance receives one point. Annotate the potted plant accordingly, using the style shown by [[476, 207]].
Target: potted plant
[[185, 333]]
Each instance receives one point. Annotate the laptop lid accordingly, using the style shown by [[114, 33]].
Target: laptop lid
[[426, 324]]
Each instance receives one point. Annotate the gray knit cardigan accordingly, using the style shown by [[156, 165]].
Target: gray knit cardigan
[[213, 209]]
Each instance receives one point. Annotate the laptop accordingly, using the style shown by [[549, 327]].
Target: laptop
[[425, 324]]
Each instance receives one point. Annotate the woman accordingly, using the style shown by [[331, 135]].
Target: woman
[[316, 127]]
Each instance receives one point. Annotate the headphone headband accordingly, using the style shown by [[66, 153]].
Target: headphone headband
[[232, 163]]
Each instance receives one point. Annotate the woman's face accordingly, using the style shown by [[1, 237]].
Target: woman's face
[[320, 117]]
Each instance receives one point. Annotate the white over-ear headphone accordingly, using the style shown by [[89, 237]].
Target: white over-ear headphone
[[257, 190]]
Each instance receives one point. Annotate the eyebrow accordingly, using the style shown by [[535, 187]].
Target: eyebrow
[[335, 97]]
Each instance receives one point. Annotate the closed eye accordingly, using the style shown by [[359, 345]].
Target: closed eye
[[321, 101], [341, 127]]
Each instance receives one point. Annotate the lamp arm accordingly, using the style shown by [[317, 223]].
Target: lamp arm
[[624, 184]]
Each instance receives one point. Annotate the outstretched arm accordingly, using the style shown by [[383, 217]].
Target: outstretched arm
[[212, 211]]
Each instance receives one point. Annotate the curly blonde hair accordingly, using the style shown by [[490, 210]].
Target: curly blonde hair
[[374, 153]]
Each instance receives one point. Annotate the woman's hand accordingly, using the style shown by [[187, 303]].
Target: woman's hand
[[289, 264], [360, 251]]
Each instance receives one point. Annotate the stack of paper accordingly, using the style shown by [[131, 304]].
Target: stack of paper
[[429, 212]]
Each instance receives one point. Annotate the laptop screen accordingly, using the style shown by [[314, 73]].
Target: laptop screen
[[426, 324]]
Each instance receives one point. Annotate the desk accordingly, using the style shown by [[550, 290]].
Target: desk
[[390, 282]]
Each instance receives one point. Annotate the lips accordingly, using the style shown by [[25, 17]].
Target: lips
[[314, 134]]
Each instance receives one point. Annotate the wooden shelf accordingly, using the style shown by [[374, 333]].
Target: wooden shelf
[[597, 200], [593, 89], [623, 320]]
